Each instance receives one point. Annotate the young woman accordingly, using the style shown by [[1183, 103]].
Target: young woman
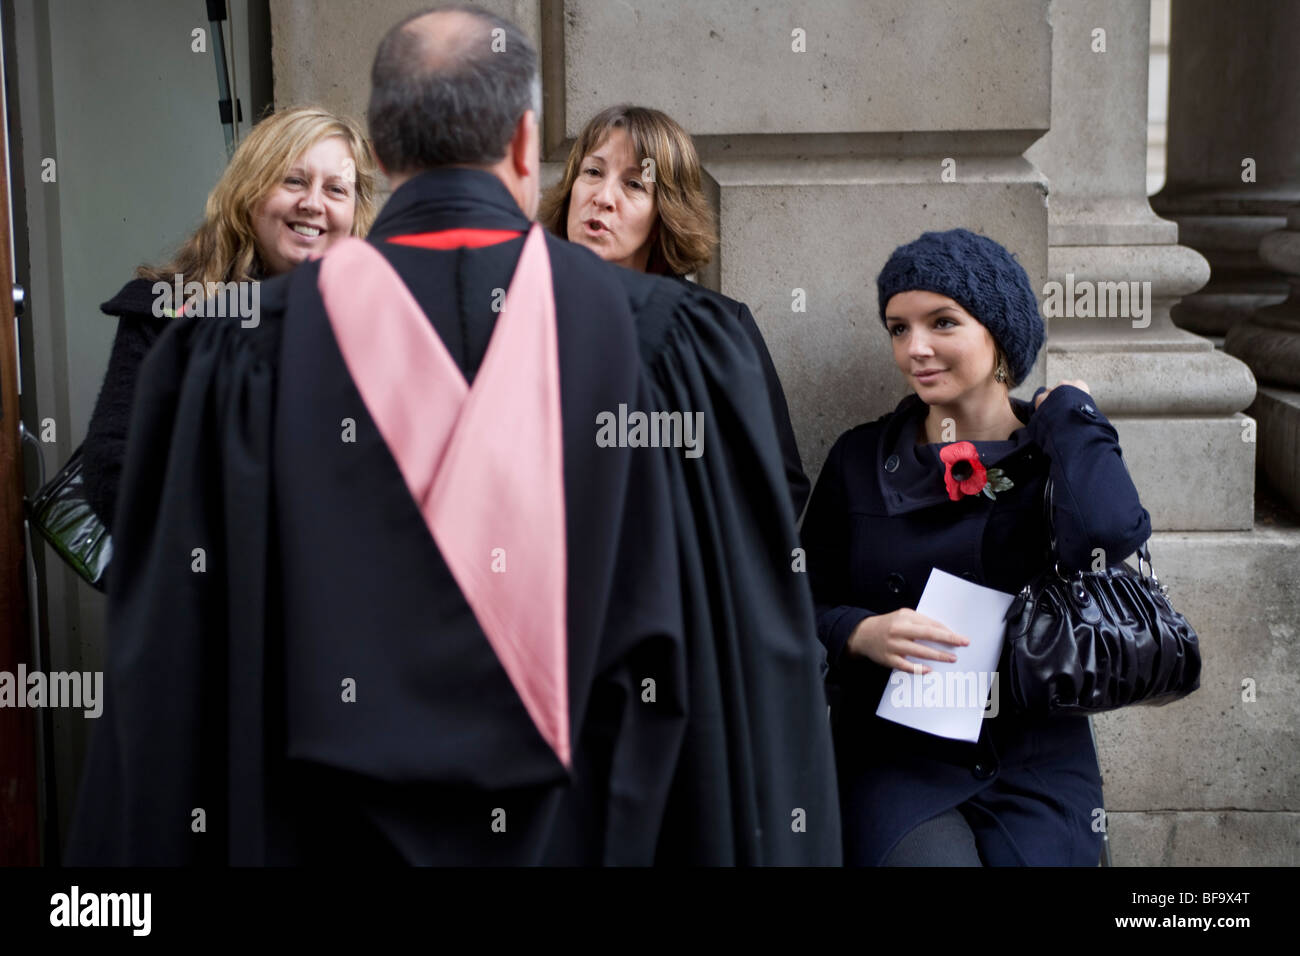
[[954, 479], [631, 193], [302, 179]]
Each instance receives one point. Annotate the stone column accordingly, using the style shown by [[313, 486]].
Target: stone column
[[1174, 399], [1234, 149], [1234, 178], [1269, 341]]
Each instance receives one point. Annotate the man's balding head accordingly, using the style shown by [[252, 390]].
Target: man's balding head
[[445, 40], [449, 87]]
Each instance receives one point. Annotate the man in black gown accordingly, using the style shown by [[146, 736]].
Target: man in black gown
[[294, 672]]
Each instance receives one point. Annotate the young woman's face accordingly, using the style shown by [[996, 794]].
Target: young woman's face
[[945, 354], [611, 206], [310, 209]]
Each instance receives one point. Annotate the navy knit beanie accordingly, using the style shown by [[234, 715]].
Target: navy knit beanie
[[983, 278]]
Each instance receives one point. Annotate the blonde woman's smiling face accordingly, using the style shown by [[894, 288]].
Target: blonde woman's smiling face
[[311, 208]]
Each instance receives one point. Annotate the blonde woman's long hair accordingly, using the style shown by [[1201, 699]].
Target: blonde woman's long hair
[[224, 247], [687, 234]]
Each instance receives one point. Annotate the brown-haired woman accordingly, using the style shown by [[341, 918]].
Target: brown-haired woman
[[631, 193], [303, 179]]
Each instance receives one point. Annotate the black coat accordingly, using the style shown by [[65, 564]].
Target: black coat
[[222, 688], [879, 520], [104, 449]]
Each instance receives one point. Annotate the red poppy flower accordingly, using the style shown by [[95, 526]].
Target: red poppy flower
[[963, 472]]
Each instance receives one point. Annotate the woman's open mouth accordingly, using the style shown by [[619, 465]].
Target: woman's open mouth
[[304, 231]]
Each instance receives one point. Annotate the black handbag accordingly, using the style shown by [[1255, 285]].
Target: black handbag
[[1095, 641], [64, 518]]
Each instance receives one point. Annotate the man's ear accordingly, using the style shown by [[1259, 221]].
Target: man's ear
[[524, 147]]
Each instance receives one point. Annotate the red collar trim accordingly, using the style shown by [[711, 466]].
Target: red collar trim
[[457, 238]]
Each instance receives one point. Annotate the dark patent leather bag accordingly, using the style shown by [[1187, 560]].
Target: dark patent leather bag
[[1095, 641], [64, 518]]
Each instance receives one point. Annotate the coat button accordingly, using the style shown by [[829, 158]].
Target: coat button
[[891, 463], [983, 771], [895, 582], [1088, 410]]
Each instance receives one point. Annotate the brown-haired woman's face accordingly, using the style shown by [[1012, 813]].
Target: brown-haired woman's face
[[612, 205], [310, 210], [943, 351]]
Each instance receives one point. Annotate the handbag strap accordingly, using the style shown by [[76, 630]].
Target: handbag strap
[[1143, 551], [25, 435], [1048, 489]]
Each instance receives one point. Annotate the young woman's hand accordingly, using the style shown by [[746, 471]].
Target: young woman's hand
[[888, 639], [1077, 383]]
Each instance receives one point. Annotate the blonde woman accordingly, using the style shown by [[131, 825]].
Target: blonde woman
[[303, 179], [631, 193]]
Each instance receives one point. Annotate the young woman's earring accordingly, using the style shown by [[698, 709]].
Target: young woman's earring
[[1000, 373]]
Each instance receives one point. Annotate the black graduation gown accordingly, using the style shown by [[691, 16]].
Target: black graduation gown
[[800, 486], [225, 687]]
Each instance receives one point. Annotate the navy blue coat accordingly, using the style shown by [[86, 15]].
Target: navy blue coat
[[879, 520]]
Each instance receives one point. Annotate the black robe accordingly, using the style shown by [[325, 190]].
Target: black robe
[[225, 687], [800, 486]]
